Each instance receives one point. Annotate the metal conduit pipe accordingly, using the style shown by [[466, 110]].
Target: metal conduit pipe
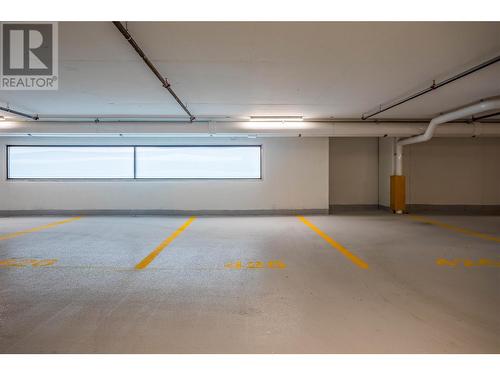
[[486, 116], [22, 114], [151, 66], [434, 86], [241, 129], [482, 106]]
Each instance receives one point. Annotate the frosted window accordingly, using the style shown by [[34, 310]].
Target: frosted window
[[71, 162], [198, 162]]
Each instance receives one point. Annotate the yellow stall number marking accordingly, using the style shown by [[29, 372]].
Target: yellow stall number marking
[[274, 264], [27, 262], [467, 263]]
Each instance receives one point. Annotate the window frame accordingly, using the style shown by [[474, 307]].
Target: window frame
[[134, 178]]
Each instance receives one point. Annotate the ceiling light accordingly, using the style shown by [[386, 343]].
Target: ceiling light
[[276, 118]]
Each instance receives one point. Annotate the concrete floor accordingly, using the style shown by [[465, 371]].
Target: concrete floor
[[92, 300]]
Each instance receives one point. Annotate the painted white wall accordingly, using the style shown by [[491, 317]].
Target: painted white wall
[[385, 169], [298, 173], [295, 176], [353, 171]]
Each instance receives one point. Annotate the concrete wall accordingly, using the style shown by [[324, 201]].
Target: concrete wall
[[353, 171], [298, 173], [295, 176], [445, 171], [454, 171]]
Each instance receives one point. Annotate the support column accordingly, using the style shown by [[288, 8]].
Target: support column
[[398, 182], [398, 194]]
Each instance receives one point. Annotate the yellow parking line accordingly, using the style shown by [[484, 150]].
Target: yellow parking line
[[148, 259], [453, 228], [353, 258], [36, 229]]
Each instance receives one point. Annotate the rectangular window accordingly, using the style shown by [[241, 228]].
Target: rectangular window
[[100, 162], [198, 162], [70, 162]]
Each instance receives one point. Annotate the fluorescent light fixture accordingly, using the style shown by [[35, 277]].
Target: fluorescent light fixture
[[276, 118]]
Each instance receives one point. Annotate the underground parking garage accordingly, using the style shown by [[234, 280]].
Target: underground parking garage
[[218, 187]]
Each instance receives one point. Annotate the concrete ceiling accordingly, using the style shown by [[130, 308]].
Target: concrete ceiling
[[240, 69]]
